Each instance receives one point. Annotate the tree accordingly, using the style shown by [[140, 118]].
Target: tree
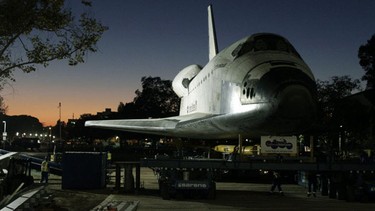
[[330, 92], [3, 107], [355, 114], [127, 111], [21, 123], [36, 32], [366, 55], [157, 98]]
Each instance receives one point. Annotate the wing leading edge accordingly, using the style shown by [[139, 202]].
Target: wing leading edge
[[160, 126]]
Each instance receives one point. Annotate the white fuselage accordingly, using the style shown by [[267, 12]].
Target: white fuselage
[[216, 88], [221, 88]]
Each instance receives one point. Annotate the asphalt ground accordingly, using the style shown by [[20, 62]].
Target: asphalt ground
[[229, 196]]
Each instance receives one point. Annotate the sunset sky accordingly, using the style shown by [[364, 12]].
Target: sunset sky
[[161, 37]]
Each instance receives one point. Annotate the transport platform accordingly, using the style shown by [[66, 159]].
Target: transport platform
[[235, 196], [230, 196]]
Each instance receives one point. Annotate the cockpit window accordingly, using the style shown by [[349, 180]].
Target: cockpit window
[[261, 45], [270, 42], [264, 42]]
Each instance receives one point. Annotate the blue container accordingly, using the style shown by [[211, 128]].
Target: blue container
[[84, 170]]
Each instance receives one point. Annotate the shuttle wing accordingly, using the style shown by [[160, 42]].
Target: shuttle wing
[[161, 126]]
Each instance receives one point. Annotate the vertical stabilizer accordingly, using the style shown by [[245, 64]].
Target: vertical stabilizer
[[212, 43]]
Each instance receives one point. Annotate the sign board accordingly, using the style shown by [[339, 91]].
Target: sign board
[[278, 144], [192, 184]]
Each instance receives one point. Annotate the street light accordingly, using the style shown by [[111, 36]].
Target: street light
[[50, 139], [340, 139]]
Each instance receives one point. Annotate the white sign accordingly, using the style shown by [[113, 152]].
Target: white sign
[[278, 144]]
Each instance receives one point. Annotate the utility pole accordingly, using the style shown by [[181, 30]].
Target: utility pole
[[60, 121]]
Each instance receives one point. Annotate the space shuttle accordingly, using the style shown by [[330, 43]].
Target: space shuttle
[[258, 86]]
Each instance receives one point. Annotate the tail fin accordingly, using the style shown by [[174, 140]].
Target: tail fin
[[212, 42]]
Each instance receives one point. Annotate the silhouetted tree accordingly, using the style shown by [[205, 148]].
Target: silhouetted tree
[[356, 115], [22, 124], [366, 55], [330, 93], [56, 130], [3, 107], [36, 32], [157, 99], [127, 111]]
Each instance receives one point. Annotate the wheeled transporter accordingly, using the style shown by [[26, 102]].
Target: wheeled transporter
[[192, 183]]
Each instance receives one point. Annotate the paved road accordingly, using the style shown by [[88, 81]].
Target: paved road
[[230, 196], [235, 196]]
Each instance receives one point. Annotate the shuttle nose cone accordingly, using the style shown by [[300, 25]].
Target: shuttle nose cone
[[294, 96], [296, 103]]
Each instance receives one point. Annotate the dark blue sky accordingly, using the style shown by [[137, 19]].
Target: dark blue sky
[[161, 37]]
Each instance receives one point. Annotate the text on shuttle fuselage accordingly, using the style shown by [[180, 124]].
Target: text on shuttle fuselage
[[192, 107]]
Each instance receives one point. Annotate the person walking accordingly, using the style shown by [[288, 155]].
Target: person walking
[[44, 168], [312, 183], [276, 182]]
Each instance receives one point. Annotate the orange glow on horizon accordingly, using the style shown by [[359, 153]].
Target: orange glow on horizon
[[48, 115], [47, 110]]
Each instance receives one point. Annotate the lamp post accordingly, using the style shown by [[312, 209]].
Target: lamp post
[[60, 121], [340, 144], [50, 139]]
